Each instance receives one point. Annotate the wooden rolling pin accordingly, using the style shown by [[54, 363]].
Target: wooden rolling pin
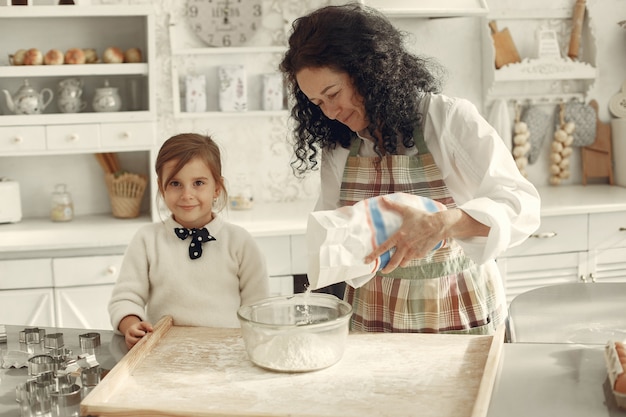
[[577, 27]]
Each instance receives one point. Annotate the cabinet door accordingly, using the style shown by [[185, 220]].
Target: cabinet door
[[607, 230], [299, 258], [282, 285], [86, 270], [277, 251], [84, 307], [607, 265], [33, 307], [25, 273], [525, 273]]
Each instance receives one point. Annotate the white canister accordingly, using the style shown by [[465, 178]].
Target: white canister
[[195, 93], [107, 99], [233, 88], [272, 91]]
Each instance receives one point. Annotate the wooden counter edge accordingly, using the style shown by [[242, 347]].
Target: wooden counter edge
[[483, 397]]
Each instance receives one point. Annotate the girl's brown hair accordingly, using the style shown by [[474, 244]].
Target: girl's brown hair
[[187, 146]]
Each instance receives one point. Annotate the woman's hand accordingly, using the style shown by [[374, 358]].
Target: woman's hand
[[422, 231], [134, 329]]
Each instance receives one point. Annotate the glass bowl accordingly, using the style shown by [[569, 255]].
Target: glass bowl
[[297, 333]]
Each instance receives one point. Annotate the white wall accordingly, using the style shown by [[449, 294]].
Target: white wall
[[261, 151]]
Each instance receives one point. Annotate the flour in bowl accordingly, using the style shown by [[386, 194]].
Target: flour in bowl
[[296, 352]]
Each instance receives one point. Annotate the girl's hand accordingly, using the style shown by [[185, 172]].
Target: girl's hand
[[419, 234], [134, 330]]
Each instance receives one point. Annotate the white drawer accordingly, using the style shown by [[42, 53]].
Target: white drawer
[[607, 230], [555, 235], [25, 273], [277, 251], [86, 270], [68, 137], [22, 138], [126, 134]]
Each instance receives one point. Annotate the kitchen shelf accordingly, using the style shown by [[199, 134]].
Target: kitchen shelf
[[429, 8], [75, 118], [548, 69], [535, 76], [28, 71]]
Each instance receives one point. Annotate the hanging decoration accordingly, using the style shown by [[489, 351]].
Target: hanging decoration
[[561, 149], [521, 144]]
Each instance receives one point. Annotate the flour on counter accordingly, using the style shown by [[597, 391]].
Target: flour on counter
[[296, 352]]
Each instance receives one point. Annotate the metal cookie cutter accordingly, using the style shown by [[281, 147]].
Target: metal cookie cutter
[[54, 341], [66, 395], [34, 396], [40, 364], [89, 342], [31, 339]]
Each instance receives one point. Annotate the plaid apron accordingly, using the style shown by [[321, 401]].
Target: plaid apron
[[446, 292]]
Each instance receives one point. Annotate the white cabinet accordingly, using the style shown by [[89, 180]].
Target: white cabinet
[[61, 291], [569, 248], [83, 307], [83, 287], [26, 295], [607, 246], [555, 253], [34, 307], [53, 132]]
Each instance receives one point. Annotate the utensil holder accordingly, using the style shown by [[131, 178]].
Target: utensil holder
[[125, 192]]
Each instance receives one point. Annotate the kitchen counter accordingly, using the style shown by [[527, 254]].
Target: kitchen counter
[[581, 199], [90, 234], [534, 379]]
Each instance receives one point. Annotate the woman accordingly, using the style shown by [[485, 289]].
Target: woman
[[375, 112]]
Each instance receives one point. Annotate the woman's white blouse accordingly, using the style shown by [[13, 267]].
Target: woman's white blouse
[[477, 168]]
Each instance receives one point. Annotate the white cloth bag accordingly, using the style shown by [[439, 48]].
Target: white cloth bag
[[339, 240]]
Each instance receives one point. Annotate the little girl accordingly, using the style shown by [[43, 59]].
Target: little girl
[[193, 266]]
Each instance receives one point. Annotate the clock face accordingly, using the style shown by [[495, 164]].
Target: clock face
[[224, 22]]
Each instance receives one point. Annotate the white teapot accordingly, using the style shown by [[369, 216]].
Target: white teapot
[[27, 100]]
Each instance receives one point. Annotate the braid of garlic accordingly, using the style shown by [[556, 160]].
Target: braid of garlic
[[521, 145], [561, 149]]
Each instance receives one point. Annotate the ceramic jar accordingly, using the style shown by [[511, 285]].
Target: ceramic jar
[[107, 99]]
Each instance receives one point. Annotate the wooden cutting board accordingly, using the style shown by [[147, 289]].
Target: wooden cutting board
[[196, 371]]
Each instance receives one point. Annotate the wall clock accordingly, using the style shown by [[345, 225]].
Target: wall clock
[[224, 22]]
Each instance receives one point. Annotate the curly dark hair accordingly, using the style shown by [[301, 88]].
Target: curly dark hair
[[361, 42]]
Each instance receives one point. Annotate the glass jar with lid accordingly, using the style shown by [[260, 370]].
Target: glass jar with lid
[[62, 208]]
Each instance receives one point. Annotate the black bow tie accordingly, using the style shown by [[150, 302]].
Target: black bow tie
[[198, 237]]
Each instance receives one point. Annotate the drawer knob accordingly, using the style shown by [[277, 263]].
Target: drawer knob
[[543, 235], [125, 135], [73, 137], [18, 139], [111, 270]]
